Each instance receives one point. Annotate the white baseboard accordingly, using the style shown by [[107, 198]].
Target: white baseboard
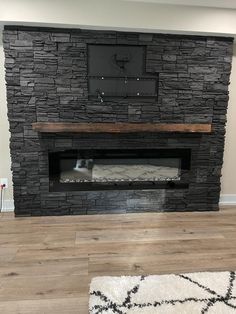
[[8, 206], [228, 199]]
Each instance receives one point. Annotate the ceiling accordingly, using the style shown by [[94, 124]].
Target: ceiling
[[227, 4]]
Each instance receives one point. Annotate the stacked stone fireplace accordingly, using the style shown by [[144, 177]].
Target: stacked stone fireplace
[[47, 78]]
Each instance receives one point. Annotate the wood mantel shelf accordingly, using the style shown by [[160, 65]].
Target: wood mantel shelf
[[60, 127]]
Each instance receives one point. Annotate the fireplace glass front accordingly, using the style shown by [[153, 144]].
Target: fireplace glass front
[[121, 169]]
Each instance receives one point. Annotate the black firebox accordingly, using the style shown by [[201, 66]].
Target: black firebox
[[119, 169]]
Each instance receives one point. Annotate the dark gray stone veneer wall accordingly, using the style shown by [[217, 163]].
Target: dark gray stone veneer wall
[[46, 81]]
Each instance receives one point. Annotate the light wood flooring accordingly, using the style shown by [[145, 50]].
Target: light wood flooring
[[46, 263]]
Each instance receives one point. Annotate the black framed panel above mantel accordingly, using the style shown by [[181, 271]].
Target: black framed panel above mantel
[[119, 71]]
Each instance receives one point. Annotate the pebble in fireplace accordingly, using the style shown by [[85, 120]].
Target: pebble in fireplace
[[105, 169]]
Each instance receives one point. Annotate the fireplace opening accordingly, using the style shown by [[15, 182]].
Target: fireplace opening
[[98, 169]]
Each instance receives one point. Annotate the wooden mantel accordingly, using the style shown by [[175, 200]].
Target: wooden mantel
[[60, 127]]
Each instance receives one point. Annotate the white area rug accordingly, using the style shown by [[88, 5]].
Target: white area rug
[[196, 293]]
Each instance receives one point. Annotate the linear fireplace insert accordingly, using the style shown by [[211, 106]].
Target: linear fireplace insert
[[100, 169]]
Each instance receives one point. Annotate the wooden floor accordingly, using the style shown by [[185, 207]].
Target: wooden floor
[[46, 263]]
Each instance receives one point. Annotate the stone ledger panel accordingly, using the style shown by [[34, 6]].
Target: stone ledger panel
[[47, 81]]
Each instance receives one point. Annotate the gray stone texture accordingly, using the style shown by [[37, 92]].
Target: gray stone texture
[[46, 81]]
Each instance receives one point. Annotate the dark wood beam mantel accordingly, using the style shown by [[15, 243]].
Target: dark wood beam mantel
[[61, 127]]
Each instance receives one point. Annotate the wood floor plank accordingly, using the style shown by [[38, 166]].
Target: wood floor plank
[[37, 254], [103, 265], [159, 247], [55, 267], [47, 263], [44, 287], [146, 235], [77, 305]]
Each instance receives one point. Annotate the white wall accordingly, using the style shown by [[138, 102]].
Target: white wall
[[5, 162], [124, 15], [117, 14], [229, 167]]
